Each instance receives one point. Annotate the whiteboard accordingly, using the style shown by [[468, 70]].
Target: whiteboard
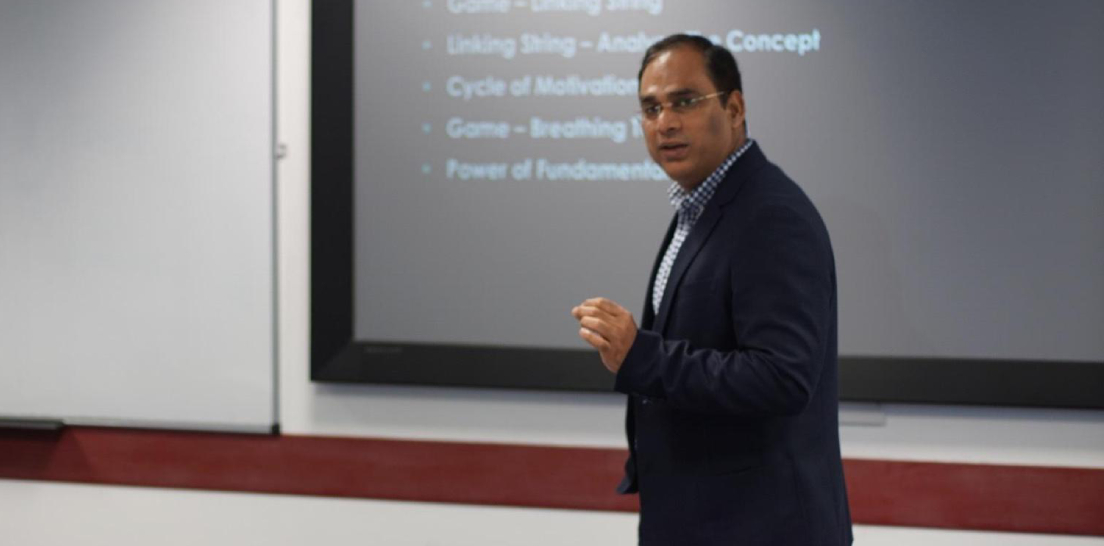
[[137, 213]]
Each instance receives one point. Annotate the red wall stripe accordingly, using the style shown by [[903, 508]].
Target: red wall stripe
[[959, 496]]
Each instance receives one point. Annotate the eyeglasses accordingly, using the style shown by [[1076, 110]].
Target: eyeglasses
[[679, 106]]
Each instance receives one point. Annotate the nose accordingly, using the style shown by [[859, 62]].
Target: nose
[[668, 121]]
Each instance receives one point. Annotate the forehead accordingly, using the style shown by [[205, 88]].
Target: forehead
[[676, 69]]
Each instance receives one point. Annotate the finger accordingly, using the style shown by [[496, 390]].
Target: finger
[[593, 311], [595, 340], [587, 307], [591, 334], [613, 323], [607, 305], [598, 326]]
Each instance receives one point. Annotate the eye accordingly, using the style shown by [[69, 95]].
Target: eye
[[683, 103], [652, 110]]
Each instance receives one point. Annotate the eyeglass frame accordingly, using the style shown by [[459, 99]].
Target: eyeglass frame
[[690, 104]]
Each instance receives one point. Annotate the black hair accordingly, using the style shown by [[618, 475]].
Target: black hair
[[719, 61]]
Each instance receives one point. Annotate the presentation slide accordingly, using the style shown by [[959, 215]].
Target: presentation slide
[[955, 150]]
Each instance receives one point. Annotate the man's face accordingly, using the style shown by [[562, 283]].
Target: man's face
[[689, 145]]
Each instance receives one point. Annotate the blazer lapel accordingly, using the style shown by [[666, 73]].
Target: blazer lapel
[[686, 254], [657, 322], [648, 318], [751, 161]]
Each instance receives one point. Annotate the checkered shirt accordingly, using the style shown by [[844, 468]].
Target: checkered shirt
[[688, 206]]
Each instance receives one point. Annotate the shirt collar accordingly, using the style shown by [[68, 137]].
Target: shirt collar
[[693, 202]]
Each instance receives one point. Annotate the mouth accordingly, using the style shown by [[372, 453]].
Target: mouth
[[673, 151]]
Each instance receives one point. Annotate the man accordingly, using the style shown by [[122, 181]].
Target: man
[[732, 379]]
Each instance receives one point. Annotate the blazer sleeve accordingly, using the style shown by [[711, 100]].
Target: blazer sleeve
[[782, 313]]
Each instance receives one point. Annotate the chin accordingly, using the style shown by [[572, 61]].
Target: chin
[[677, 173]]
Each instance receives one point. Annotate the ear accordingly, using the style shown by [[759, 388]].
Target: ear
[[735, 108]]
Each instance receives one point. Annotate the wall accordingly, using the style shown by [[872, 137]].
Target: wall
[[30, 512]]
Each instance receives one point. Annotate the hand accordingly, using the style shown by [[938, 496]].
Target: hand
[[608, 327]]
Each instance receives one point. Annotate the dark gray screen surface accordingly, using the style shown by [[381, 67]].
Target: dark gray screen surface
[[953, 149]]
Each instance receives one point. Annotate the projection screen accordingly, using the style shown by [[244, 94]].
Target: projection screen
[[496, 175]]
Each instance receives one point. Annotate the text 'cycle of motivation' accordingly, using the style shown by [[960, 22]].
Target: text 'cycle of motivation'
[[543, 128]]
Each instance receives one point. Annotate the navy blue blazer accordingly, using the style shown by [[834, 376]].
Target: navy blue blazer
[[733, 408]]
